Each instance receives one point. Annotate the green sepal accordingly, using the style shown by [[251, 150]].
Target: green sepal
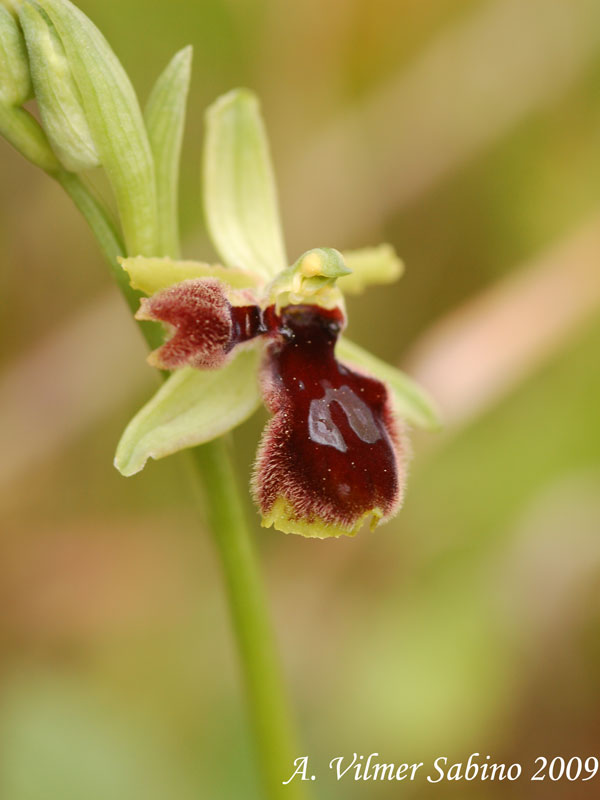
[[192, 407], [115, 120], [240, 199], [56, 93], [15, 80], [150, 275], [411, 402], [371, 266], [165, 119]]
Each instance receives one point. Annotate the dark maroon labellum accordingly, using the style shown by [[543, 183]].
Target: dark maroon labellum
[[331, 449]]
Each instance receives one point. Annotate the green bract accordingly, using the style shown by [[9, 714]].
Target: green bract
[[165, 120], [243, 221]]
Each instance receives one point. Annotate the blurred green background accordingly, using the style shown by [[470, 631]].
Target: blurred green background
[[465, 132]]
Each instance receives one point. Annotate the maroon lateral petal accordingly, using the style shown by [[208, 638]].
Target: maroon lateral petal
[[332, 451], [206, 326]]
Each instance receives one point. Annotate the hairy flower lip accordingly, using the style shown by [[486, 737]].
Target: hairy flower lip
[[332, 454]]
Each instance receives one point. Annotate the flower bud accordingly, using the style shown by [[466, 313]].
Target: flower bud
[[56, 92], [15, 83], [115, 120]]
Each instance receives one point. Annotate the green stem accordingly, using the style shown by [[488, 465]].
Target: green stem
[[109, 238], [103, 227], [267, 700], [269, 714]]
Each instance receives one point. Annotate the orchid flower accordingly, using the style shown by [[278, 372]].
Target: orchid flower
[[254, 329]]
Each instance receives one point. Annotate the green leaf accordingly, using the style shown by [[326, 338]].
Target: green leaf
[[56, 93], [239, 187], [371, 266], [15, 82], [113, 114], [410, 401], [192, 407], [165, 120], [150, 275]]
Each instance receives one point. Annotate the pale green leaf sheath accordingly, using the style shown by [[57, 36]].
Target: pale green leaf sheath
[[411, 402], [115, 121], [192, 407], [240, 199], [165, 120]]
